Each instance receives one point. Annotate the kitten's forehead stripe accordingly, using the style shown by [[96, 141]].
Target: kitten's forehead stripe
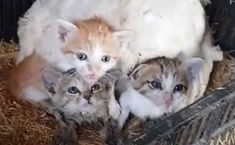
[[168, 73], [94, 34]]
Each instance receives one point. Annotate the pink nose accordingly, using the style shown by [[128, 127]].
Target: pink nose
[[168, 98], [167, 95], [91, 76]]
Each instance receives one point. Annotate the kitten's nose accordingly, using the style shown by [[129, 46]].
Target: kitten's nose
[[168, 98], [87, 97], [168, 95]]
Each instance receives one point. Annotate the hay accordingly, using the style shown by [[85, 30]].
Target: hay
[[227, 138], [23, 124], [223, 72], [20, 124]]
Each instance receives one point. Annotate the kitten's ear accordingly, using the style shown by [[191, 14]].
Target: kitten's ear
[[192, 66], [63, 30], [137, 71], [123, 38], [50, 77]]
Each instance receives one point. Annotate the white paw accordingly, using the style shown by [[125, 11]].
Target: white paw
[[114, 109], [19, 58], [217, 54]]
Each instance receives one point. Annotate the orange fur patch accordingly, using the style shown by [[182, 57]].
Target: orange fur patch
[[93, 33], [27, 73]]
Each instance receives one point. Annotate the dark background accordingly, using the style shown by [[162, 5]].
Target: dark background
[[221, 12]]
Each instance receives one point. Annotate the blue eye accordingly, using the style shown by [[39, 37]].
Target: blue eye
[[155, 84], [178, 88], [82, 56], [73, 90]]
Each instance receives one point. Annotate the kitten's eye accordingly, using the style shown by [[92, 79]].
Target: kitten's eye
[[106, 58], [178, 88], [82, 56], [95, 87], [155, 85], [73, 90]]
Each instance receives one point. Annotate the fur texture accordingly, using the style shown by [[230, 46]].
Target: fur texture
[[159, 86], [72, 96], [25, 81], [71, 101], [91, 46], [162, 28]]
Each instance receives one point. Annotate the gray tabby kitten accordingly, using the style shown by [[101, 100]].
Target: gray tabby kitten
[[158, 86], [70, 94], [72, 97]]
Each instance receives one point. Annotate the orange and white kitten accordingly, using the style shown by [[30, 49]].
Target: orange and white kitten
[[91, 46], [96, 49], [159, 86]]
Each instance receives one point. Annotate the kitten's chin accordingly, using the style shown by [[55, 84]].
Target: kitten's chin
[[91, 82], [91, 79]]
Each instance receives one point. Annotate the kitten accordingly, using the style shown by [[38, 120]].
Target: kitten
[[91, 46], [159, 86], [71, 95], [97, 48]]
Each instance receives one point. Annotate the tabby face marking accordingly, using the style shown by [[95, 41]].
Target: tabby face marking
[[166, 82], [73, 96]]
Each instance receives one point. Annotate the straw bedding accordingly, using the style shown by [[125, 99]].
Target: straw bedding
[[23, 124]]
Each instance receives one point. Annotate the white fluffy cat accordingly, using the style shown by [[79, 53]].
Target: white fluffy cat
[[161, 27]]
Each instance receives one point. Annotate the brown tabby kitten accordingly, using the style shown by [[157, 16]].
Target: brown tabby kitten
[[158, 86]]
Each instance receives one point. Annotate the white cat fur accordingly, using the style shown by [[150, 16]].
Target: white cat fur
[[161, 27]]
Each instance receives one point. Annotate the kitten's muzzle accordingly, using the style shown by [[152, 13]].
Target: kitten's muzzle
[[168, 98], [87, 97]]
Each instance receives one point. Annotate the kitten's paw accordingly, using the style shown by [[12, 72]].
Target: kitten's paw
[[216, 53], [23, 53], [19, 58], [114, 110]]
